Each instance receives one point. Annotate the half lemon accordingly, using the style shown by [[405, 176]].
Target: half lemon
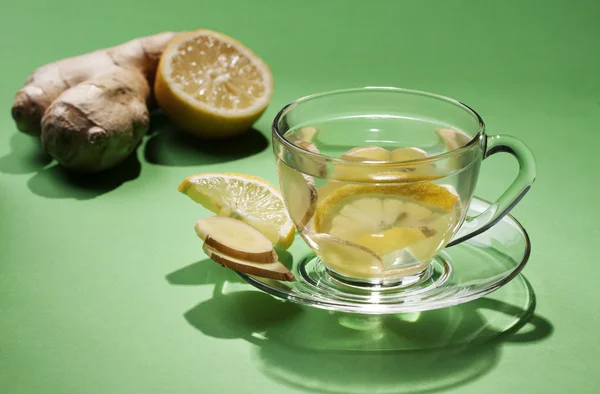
[[211, 85]]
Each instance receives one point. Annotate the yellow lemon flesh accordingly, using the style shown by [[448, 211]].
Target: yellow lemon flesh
[[211, 85], [245, 197], [402, 224]]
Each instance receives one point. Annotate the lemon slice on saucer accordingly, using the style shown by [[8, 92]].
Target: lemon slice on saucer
[[245, 197]]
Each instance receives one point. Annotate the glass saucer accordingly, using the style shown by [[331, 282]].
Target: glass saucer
[[459, 274]]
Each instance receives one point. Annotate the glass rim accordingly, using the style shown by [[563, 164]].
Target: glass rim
[[289, 145]]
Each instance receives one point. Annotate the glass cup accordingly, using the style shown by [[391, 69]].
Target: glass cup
[[378, 180]]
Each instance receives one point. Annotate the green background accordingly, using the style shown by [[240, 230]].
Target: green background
[[103, 284]]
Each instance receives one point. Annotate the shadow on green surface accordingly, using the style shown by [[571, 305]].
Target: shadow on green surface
[[56, 182], [169, 146], [322, 351], [203, 273], [413, 353], [26, 155]]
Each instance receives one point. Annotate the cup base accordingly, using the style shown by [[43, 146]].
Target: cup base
[[320, 281], [396, 282]]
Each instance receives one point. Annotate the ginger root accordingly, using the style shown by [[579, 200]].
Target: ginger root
[[91, 111]]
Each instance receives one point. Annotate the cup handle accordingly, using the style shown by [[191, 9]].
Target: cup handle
[[476, 225]]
